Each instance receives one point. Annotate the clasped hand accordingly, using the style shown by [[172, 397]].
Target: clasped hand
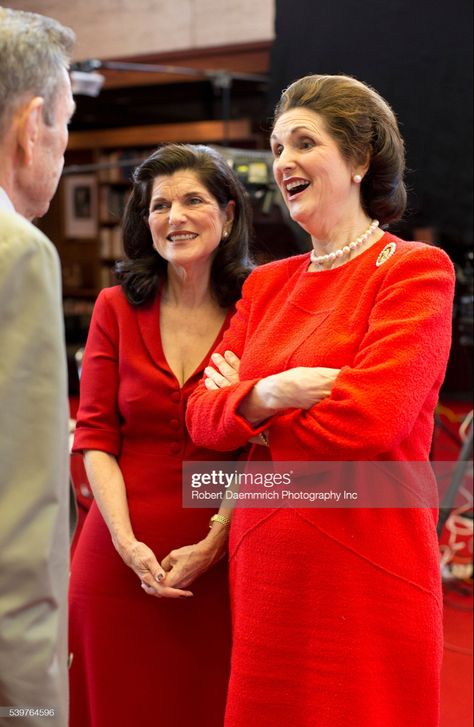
[[177, 571], [185, 564], [142, 560]]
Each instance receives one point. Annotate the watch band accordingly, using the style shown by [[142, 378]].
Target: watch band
[[219, 519]]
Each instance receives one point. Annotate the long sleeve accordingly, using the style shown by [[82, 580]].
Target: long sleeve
[[98, 422], [34, 489]]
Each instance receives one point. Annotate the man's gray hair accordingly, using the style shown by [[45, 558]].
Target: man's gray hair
[[34, 50]]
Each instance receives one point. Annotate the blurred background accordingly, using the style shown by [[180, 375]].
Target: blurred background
[[150, 71]]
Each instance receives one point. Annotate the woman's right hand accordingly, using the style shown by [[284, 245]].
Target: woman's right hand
[[298, 388], [142, 560]]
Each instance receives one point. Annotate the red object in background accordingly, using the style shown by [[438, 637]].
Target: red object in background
[[453, 422], [456, 543], [457, 670], [447, 441]]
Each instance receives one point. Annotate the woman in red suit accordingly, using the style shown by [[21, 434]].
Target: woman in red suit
[[147, 651], [336, 612]]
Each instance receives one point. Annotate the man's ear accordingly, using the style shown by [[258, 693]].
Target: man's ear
[[28, 128]]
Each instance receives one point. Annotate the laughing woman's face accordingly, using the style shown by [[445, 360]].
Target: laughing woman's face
[[310, 171]]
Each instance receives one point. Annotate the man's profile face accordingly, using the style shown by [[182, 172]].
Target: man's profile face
[[48, 160]]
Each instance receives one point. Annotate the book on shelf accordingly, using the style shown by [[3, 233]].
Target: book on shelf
[[116, 242], [107, 277], [77, 307], [112, 203], [105, 242], [117, 166], [110, 242]]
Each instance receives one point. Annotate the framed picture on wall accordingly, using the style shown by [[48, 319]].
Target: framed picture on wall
[[80, 206]]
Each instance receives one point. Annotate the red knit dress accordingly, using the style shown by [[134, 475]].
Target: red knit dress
[[337, 612], [140, 661]]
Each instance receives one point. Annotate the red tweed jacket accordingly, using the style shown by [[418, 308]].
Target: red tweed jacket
[[383, 318]]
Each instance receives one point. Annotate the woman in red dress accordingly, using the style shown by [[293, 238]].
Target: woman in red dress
[[145, 651], [336, 612]]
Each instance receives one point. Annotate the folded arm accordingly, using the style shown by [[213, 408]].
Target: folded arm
[[400, 363]]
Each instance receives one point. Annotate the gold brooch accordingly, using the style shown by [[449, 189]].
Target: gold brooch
[[386, 253]]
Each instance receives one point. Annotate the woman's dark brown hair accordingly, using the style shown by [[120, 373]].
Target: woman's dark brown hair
[[144, 270], [365, 130]]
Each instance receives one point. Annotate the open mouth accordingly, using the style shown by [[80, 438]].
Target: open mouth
[[296, 186], [181, 236]]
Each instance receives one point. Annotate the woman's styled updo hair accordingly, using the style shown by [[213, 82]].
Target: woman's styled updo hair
[[144, 270], [366, 131]]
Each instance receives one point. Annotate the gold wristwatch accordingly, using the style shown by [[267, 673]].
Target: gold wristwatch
[[222, 519]]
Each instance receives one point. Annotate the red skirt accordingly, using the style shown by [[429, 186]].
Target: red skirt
[[138, 660], [328, 631]]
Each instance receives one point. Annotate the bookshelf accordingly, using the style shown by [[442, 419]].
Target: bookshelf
[[114, 174]]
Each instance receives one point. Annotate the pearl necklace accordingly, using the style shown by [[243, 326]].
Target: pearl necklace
[[331, 256]]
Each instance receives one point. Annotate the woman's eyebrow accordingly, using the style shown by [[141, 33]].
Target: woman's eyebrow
[[292, 131]]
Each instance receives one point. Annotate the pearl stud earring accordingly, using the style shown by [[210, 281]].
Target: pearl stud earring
[[357, 178]]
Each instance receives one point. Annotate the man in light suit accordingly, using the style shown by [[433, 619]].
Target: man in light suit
[[35, 107]]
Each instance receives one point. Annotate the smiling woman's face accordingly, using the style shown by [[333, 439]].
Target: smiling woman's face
[[186, 222], [314, 178]]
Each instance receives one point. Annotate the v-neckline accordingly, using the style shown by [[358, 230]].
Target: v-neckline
[[205, 358]]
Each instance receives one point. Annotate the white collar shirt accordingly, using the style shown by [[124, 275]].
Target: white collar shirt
[[5, 201]]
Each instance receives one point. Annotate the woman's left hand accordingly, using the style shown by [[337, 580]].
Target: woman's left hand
[[185, 564], [225, 373], [228, 373]]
